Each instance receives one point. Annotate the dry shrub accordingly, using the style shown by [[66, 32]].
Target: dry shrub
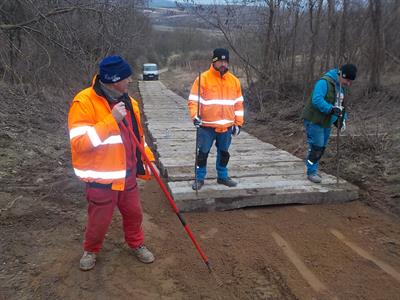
[[191, 61]]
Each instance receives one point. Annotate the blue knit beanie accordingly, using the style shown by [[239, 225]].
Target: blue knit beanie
[[113, 69]]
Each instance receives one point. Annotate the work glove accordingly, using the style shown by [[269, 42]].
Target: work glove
[[343, 127], [235, 130], [197, 121], [337, 111]]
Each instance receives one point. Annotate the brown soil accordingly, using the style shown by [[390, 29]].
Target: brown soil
[[282, 252]]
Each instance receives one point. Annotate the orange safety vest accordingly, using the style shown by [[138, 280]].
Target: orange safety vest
[[98, 153], [221, 100]]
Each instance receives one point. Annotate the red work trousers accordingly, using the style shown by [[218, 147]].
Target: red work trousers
[[101, 205]]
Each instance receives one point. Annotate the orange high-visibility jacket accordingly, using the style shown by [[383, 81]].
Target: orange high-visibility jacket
[[221, 100], [98, 153]]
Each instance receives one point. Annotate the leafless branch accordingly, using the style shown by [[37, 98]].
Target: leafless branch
[[40, 17]]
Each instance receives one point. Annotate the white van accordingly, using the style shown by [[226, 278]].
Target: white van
[[150, 71]]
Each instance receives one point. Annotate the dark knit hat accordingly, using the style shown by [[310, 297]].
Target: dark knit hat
[[220, 54], [349, 71], [113, 69]]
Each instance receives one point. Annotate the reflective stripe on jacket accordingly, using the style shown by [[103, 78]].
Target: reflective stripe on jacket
[[221, 100], [98, 153]]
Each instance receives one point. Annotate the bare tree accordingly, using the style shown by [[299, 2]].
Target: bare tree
[[271, 8], [330, 57], [46, 38], [377, 46], [296, 8], [343, 31], [314, 9]]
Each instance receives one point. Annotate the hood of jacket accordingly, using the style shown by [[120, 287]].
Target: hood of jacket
[[333, 74]]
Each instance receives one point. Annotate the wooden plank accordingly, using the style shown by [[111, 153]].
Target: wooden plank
[[257, 185], [276, 197], [237, 150], [273, 191], [235, 165], [240, 151], [189, 159], [238, 171]]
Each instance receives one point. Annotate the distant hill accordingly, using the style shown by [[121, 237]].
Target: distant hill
[[162, 3]]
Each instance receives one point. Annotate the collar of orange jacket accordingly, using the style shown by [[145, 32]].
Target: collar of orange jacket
[[94, 80]]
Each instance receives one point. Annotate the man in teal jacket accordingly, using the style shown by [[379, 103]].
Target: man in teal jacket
[[322, 110]]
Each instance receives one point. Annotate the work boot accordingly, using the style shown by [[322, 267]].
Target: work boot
[[200, 183], [88, 260], [143, 254], [314, 178], [227, 181]]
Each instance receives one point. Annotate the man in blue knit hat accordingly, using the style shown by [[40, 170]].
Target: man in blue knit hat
[[102, 121], [322, 111]]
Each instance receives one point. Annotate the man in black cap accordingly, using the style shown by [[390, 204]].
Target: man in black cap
[[220, 116], [323, 109]]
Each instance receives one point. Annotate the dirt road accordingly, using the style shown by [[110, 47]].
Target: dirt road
[[346, 251]]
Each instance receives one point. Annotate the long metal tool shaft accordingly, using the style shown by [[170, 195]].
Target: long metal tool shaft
[[197, 138], [339, 124]]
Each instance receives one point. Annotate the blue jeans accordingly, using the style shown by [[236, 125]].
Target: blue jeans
[[317, 136], [207, 136]]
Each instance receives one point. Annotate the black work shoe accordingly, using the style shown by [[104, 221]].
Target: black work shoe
[[227, 181], [200, 183]]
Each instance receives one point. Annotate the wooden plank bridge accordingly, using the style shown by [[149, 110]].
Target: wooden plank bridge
[[265, 174]]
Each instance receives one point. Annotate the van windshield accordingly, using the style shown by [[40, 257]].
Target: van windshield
[[150, 68]]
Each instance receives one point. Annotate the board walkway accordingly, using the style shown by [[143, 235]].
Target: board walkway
[[266, 175]]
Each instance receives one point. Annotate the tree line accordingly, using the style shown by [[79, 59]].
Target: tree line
[[59, 43], [53, 42], [284, 44], [278, 43]]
